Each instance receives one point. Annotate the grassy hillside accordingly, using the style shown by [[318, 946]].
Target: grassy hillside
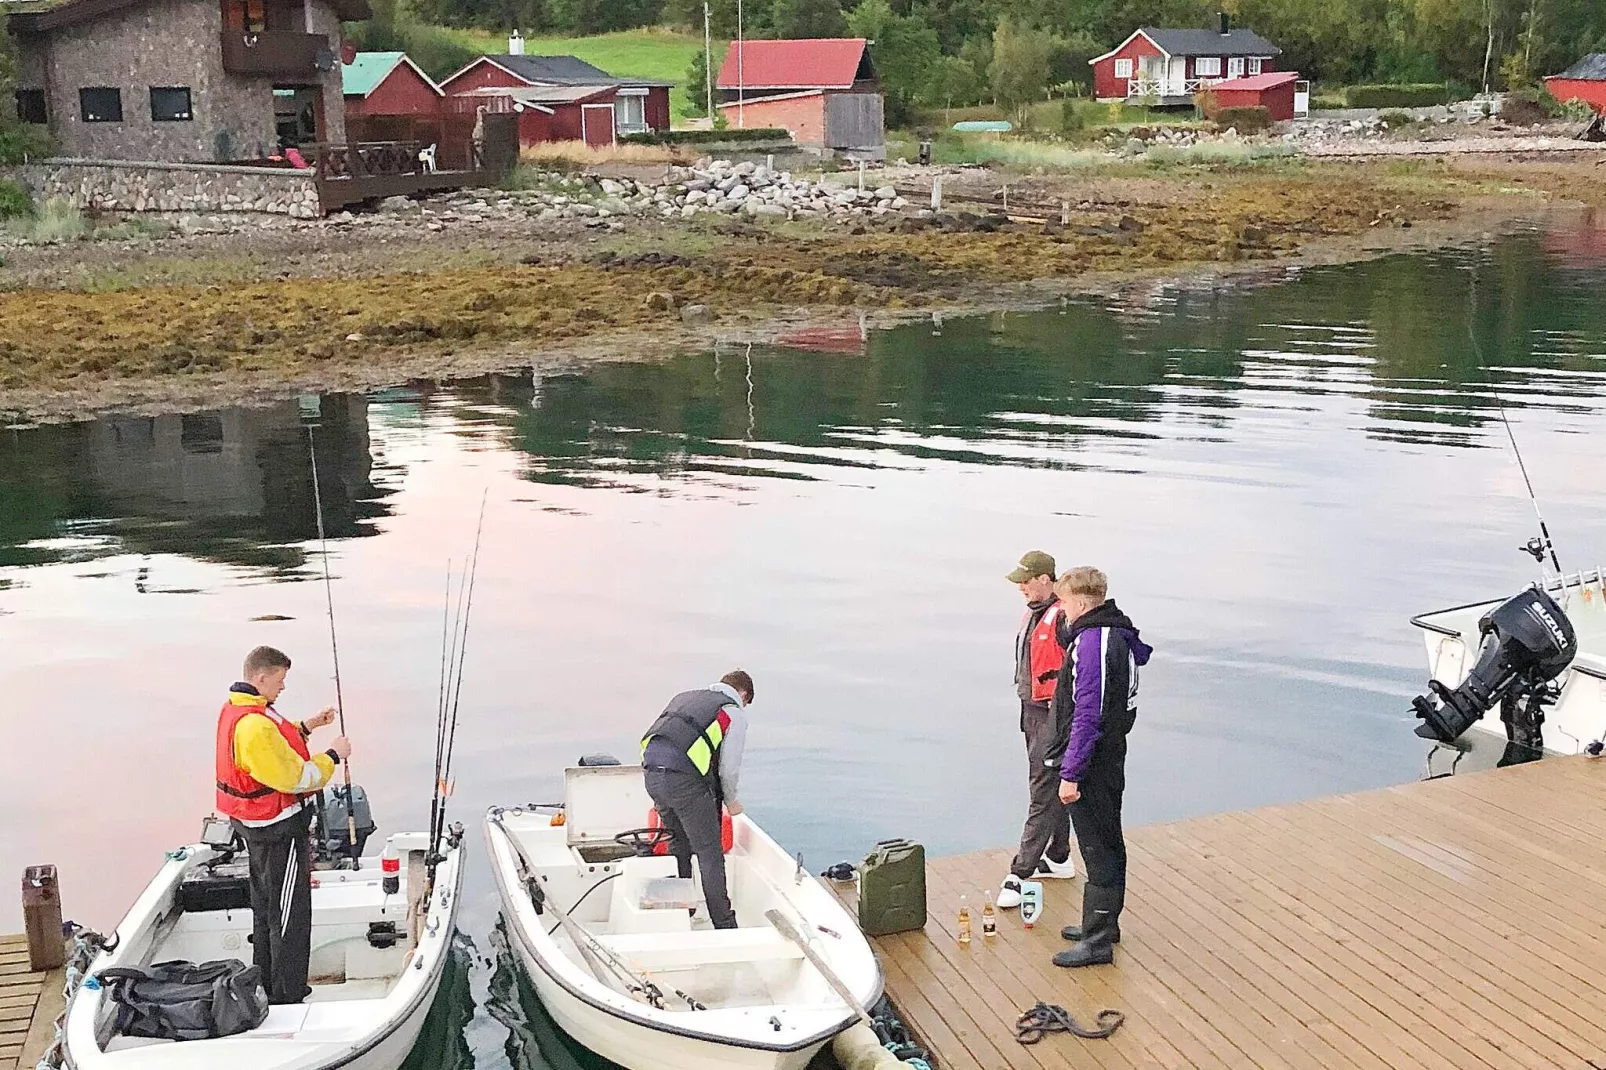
[[662, 55]]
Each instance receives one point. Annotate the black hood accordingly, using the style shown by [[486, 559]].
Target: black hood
[[1109, 615]]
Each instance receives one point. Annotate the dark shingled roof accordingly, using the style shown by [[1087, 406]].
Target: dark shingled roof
[[563, 70], [1592, 68], [1211, 43]]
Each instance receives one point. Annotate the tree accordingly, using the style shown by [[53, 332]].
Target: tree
[[1019, 72], [906, 54], [698, 76], [808, 18]]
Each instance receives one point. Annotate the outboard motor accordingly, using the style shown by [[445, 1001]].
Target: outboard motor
[[1527, 642], [333, 840]]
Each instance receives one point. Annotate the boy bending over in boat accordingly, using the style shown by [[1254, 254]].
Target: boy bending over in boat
[[692, 756]]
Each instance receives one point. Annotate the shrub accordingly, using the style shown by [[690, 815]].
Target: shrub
[[1244, 120], [1397, 119], [1529, 107], [1206, 104], [705, 137], [20, 142], [15, 202], [1071, 121], [1416, 95], [58, 219]]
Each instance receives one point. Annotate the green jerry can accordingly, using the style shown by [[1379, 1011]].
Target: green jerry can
[[892, 888]]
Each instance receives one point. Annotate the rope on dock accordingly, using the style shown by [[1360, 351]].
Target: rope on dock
[[1046, 1018], [86, 945]]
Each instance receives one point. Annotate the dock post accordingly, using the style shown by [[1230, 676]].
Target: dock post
[[861, 176], [1065, 213], [936, 193], [41, 913]]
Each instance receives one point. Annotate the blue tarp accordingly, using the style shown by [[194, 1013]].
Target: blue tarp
[[993, 126]]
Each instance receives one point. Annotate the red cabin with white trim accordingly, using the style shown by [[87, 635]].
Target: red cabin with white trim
[[1167, 67]]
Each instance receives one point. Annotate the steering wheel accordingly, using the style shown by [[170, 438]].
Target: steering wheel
[[645, 842]]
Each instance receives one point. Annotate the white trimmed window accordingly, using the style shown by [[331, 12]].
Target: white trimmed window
[[1123, 68], [1207, 66], [1255, 64]]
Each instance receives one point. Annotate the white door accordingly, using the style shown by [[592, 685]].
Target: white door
[[1301, 98], [1177, 77], [1235, 67]]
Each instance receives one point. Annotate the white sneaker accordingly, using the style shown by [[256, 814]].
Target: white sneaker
[[1009, 893], [1047, 868]]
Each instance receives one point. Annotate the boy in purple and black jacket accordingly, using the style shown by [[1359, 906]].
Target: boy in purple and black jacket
[[1095, 704]]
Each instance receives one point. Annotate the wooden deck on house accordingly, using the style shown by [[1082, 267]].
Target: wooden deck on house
[[1453, 924], [29, 1004]]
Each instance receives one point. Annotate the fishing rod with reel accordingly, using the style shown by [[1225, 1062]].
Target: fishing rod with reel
[[353, 843], [454, 650]]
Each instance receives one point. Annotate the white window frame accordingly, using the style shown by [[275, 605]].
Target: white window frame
[[1123, 68], [1256, 65], [1235, 67], [1200, 69], [625, 103]]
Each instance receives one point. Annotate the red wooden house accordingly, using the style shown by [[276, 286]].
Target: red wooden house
[[387, 83], [560, 98], [1584, 80], [822, 91], [1167, 67]]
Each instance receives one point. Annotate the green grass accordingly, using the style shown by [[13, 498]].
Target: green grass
[[1047, 116], [1023, 155], [659, 54]]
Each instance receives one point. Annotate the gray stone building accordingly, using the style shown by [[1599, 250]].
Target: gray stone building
[[181, 81]]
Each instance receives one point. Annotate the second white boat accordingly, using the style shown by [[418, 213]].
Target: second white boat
[[747, 998]]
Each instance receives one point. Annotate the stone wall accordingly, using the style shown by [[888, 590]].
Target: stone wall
[[166, 43], [116, 186]]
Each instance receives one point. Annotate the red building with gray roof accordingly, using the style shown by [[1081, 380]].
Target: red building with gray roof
[[1167, 67], [560, 98]]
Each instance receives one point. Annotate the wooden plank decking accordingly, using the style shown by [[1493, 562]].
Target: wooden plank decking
[[1454, 924], [21, 989]]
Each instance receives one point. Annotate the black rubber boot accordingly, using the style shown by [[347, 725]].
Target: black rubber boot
[[1101, 926]]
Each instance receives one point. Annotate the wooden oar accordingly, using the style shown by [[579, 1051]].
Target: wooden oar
[[784, 926]]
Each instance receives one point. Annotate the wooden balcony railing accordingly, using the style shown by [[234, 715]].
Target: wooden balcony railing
[[284, 55]]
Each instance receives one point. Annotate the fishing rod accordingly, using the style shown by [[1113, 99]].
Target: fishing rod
[[450, 699], [334, 646], [1544, 544]]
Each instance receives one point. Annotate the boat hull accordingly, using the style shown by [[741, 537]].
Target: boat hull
[[638, 1047]]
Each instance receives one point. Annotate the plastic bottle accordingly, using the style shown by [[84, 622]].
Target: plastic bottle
[[989, 918], [964, 921]]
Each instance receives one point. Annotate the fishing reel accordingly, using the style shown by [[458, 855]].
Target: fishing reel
[[1527, 641]]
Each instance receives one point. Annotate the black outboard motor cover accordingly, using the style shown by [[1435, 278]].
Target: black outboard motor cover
[[1527, 642], [333, 835]]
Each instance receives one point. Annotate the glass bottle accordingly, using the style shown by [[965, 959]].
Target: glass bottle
[[989, 917], [964, 921]]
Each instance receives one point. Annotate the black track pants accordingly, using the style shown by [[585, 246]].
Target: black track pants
[[281, 905], [688, 809], [1096, 816]]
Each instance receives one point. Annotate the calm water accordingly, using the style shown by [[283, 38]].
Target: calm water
[[1276, 473]]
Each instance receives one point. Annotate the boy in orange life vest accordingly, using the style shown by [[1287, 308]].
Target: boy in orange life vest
[[1045, 842], [264, 771]]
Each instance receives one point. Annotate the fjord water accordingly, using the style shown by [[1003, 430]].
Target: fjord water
[[1276, 471]]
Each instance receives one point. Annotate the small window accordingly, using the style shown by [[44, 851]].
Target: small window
[[31, 106], [200, 433], [101, 105], [1207, 66], [1123, 68], [1255, 64], [170, 104]]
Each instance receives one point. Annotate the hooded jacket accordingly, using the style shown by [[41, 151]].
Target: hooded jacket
[[1097, 694]]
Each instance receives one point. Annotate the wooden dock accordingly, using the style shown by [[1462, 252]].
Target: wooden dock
[[1453, 924], [29, 1004]]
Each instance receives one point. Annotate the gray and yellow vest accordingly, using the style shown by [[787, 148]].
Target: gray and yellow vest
[[694, 723]]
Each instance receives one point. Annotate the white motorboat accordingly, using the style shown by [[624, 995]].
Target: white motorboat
[[627, 965], [377, 961], [1575, 710]]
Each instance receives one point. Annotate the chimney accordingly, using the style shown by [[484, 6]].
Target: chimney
[[1226, 22], [515, 43]]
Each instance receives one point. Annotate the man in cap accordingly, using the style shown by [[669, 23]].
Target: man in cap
[[1045, 842]]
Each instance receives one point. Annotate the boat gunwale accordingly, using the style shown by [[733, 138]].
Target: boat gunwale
[[429, 989], [635, 1018]]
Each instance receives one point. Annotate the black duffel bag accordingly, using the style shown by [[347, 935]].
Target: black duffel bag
[[186, 1000]]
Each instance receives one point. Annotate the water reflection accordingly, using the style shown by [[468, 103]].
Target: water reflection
[[231, 487]]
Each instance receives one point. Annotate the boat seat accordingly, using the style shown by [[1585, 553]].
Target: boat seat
[[702, 947]]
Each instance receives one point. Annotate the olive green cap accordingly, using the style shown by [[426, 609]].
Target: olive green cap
[[1032, 564]]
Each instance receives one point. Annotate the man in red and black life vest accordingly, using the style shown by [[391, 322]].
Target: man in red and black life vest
[[1045, 842], [264, 772], [692, 757]]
